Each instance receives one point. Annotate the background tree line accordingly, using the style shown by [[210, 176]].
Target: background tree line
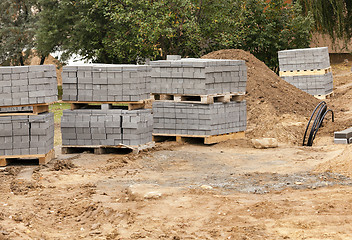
[[128, 31]]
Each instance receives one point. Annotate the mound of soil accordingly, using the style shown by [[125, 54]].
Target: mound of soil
[[341, 164], [275, 108]]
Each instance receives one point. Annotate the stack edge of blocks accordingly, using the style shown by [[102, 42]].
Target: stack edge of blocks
[[106, 82], [26, 135], [306, 60], [199, 119], [27, 85], [343, 137], [106, 127], [198, 77]]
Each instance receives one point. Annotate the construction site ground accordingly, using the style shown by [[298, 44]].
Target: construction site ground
[[228, 190]]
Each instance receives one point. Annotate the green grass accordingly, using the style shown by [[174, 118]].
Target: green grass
[[57, 109], [59, 91]]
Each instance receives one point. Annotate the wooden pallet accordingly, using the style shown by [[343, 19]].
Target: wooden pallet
[[201, 99], [36, 109], [305, 72], [326, 96], [157, 137], [43, 158], [103, 149], [143, 104]]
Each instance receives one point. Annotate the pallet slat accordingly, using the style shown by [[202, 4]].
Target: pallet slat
[[43, 158], [143, 104], [207, 139], [326, 96], [103, 149], [200, 99], [305, 72], [37, 109]]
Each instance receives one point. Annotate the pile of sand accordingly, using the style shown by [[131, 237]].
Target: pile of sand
[[275, 108]]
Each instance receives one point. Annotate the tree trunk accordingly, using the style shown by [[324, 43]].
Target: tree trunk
[[42, 59], [21, 60]]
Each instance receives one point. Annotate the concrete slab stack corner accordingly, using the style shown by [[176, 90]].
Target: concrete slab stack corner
[[24, 85], [304, 62], [343, 137]]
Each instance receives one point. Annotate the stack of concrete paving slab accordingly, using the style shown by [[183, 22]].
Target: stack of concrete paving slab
[[26, 135], [106, 127], [23, 132], [106, 82], [199, 119], [198, 77], [307, 69], [343, 137], [109, 125], [28, 85]]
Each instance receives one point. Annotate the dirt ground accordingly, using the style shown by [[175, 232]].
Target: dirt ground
[[228, 190]]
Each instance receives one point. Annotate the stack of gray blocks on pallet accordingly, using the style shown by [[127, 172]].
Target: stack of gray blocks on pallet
[[26, 135], [198, 76], [27, 85], [106, 82], [343, 137], [307, 59], [105, 126], [199, 119]]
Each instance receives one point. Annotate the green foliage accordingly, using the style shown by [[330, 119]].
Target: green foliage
[[17, 19], [264, 28], [333, 17], [127, 31], [118, 31]]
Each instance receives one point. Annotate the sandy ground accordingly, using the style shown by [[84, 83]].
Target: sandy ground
[[228, 190]]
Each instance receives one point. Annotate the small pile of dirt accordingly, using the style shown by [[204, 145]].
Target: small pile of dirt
[[63, 164], [275, 108], [22, 187]]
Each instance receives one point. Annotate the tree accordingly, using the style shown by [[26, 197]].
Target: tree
[[125, 31], [17, 19], [332, 17], [118, 31], [264, 28]]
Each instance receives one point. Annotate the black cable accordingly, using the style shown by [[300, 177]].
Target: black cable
[[321, 122], [322, 110], [311, 117], [317, 119]]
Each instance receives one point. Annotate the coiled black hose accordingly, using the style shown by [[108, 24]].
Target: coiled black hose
[[319, 112]]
